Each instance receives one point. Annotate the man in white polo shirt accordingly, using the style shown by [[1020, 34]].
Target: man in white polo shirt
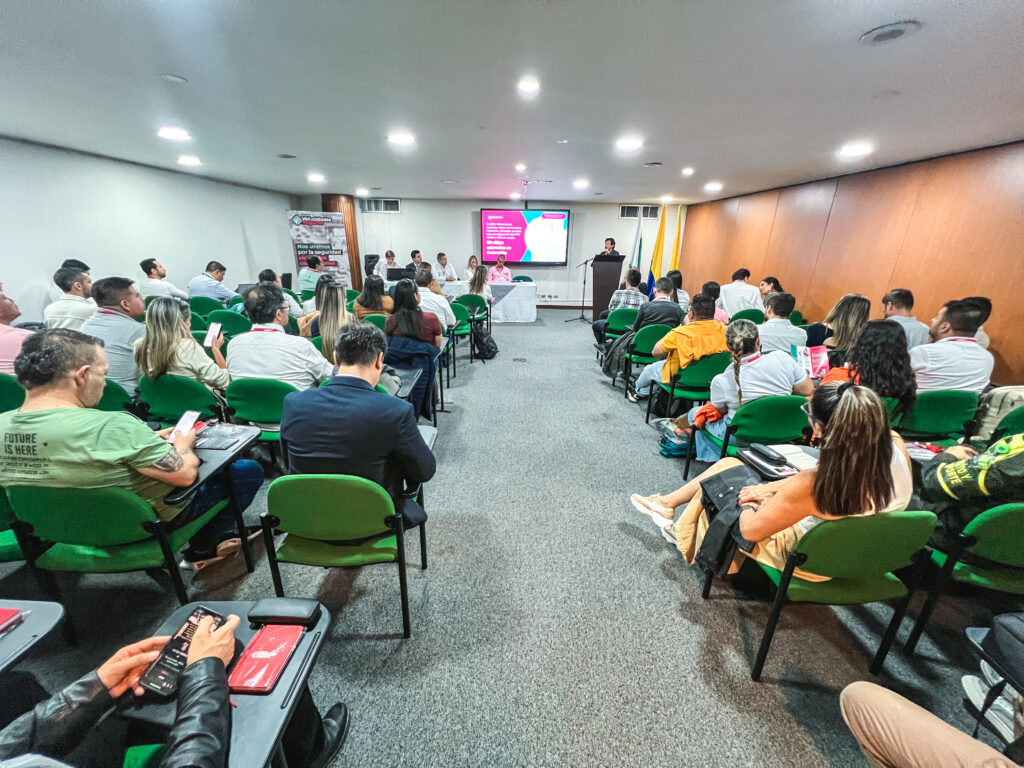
[[267, 352], [155, 283], [954, 359], [777, 332], [896, 306], [443, 271], [739, 294], [73, 308]]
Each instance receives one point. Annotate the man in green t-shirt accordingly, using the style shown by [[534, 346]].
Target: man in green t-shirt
[[57, 439]]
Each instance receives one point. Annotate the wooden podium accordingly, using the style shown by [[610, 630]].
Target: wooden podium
[[607, 271]]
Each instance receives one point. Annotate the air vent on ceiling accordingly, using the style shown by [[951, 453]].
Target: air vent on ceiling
[[380, 205], [633, 211], [889, 32]]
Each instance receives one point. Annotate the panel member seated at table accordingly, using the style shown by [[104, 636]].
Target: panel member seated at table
[[211, 284], [11, 339], [443, 271], [383, 265], [77, 446], [417, 260], [75, 305], [155, 282], [310, 273], [471, 268], [169, 347], [267, 352], [432, 301], [347, 427], [499, 273], [408, 318], [628, 296], [777, 332], [661, 309], [478, 284], [373, 300]]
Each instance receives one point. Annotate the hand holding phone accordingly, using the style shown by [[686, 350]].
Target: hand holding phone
[[184, 425], [162, 675], [211, 641], [212, 334]]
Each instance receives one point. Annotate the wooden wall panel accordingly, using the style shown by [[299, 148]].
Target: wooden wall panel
[[345, 204], [793, 247], [944, 228]]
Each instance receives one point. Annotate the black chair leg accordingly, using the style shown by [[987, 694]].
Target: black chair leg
[[423, 546], [172, 566], [691, 453], [941, 580], [403, 587], [268, 539], [650, 399], [48, 584], [229, 481], [706, 589], [773, 617], [899, 611]]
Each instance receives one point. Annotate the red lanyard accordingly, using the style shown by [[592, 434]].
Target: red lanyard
[[751, 359], [108, 312], [264, 330], [961, 338]]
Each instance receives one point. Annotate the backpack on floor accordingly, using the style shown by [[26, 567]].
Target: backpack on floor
[[671, 448], [483, 343]]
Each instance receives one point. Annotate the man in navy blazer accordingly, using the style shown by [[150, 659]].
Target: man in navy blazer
[[346, 427]]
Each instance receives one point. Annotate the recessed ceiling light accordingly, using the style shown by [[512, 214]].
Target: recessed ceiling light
[[362, 192], [629, 143], [666, 198], [520, 166], [597, 194], [687, 171], [514, 196], [854, 149], [401, 138], [889, 32], [316, 178], [375, 189], [174, 133], [652, 165], [713, 186], [581, 183], [286, 156], [561, 141], [449, 181], [528, 86], [189, 160], [177, 79]]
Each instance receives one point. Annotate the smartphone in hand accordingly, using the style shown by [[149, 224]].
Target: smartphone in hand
[[162, 675], [212, 334], [184, 426]]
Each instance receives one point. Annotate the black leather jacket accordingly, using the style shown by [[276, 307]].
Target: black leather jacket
[[199, 737]]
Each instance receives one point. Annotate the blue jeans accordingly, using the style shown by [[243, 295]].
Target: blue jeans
[[707, 450], [648, 376], [248, 477]]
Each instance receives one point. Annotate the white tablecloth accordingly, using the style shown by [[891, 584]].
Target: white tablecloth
[[513, 302]]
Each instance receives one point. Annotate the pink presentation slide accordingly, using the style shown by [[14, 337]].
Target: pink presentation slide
[[537, 237]]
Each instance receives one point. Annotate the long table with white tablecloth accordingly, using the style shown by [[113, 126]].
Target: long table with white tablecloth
[[513, 302]]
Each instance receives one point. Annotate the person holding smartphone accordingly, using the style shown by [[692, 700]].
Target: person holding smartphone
[[169, 348]]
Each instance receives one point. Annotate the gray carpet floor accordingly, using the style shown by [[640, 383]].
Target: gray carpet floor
[[554, 625]]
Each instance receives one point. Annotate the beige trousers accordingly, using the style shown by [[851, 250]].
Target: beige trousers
[[896, 733]]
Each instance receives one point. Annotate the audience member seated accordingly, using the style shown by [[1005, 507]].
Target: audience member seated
[[64, 372], [985, 306], [739, 294], [54, 292], [383, 265], [841, 328], [267, 352], [896, 733], [478, 284], [114, 323], [777, 332], [270, 276], [155, 282], [74, 306], [630, 296], [880, 361], [347, 427], [427, 268], [753, 375], [169, 347], [863, 469], [682, 345], [310, 273], [211, 284], [896, 306], [443, 271], [769, 286], [11, 338], [471, 268], [713, 290], [681, 297], [954, 359], [499, 273], [373, 300], [662, 308], [332, 318], [312, 306], [409, 320], [431, 300], [417, 260]]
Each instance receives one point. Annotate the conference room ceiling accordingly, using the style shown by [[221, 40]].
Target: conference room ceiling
[[753, 94]]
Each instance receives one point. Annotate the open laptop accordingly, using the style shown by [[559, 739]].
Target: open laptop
[[400, 273]]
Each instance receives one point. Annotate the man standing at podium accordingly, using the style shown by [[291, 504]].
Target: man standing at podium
[[609, 246]]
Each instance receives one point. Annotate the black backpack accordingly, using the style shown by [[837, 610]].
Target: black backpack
[[484, 345]]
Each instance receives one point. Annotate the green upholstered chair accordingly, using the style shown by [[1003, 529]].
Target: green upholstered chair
[[10, 549], [149, 300], [200, 337], [307, 295], [204, 305], [12, 394], [317, 513], [776, 419], [102, 530], [997, 535], [170, 396], [351, 294], [619, 321], [198, 323], [261, 402], [318, 342], [638, 351], [522, 279], [231, 323], [292, 329], [377, 319], [1011, 424], [477, 306], [892, 410], [144, 756], [859, 554], [463, 327], [796, 317], [114, 398], [350, 304], [693, 382], [756, 315], [287, 291], [238, 300], [941, 416]]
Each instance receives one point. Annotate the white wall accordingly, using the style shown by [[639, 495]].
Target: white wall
[[453, 226], [56, 205]]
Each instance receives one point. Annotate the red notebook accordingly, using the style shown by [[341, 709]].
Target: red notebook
[[8, 618], [263, 660]]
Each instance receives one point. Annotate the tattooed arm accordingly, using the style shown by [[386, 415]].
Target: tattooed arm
[[179, 466]]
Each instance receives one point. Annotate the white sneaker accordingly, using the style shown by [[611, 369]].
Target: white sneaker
[[999, 715], [652, 509], [992, 677], [668, 533]]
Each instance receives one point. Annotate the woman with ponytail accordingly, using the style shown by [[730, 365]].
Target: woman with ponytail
[[863, 469], [752, 375]]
